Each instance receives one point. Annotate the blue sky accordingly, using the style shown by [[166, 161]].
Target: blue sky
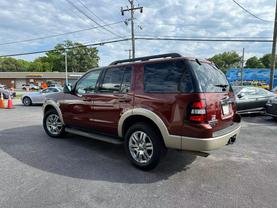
[[25, 19]]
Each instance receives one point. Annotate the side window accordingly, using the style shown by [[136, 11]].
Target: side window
[[171, 76], [262, 92], [112, 80], [52, 90], [87, 84], [248, 91], [126, 83], [45, 91]]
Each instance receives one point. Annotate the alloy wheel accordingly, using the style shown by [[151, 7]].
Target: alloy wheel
[[141, 147], [54, 124]]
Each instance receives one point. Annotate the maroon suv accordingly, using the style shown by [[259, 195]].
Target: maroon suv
[[149, 104]]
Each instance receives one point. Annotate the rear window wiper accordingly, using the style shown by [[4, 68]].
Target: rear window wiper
[[221, 85], [224, 87]]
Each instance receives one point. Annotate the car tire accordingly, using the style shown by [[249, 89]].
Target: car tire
[[27, 101], [143, 146], [53, 125]]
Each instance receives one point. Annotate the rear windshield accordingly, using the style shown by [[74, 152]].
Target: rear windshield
[[210, 78], [168, 77]]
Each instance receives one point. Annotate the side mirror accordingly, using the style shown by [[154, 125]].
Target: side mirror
[[241, 95], [67, 89]]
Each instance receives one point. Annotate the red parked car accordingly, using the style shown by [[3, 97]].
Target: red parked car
[[149, 104]]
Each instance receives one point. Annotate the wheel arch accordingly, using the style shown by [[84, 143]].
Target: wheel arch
[[144, 115], [26, 96], [50, 104]]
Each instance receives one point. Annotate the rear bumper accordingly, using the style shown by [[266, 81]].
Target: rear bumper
[[270, 110], [202, 144]]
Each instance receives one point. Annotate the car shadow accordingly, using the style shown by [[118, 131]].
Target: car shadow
[[84, 158], [257, 118]]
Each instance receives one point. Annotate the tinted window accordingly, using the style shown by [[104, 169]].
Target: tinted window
[[112, 80], [210, 78], [171, 76], [52, 90], [117, 80], [126, 83], [87, 83]]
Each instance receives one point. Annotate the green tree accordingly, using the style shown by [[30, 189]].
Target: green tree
[[266, 60], [80, 58], [9, 65], [226, 60], [254, 62], [23, 65], [40, 64]]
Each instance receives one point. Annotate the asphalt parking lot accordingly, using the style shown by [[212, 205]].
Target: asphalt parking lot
[[39, 171]]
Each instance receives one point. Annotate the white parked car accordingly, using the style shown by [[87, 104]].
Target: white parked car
[[38, 97]]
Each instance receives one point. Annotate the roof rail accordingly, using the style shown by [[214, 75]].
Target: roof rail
[[146, 58]]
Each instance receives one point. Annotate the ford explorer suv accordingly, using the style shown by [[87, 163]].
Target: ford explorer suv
[[148, 104]]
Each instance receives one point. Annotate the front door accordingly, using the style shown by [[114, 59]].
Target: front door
[[113, 96], [77, 107]]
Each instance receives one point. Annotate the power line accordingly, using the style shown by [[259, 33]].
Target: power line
[[50, 50], [205, 39], [193, 25], [94, 14], [74, 12], [247, 11], [57, 35], [148, 38], [81, 11]]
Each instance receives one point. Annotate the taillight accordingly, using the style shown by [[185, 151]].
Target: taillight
[[197, 111]]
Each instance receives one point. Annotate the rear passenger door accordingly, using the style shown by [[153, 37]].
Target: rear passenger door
[[112, 97]]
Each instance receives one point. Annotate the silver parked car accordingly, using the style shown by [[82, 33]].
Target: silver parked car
[[38, 97]]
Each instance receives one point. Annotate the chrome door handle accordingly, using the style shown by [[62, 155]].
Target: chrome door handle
[[88, 99]]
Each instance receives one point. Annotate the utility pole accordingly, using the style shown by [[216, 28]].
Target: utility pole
[[273, 51], [130, 53], [65, 64], [132, 10], [241, 69]]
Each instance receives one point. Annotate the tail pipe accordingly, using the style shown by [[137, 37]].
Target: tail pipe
[[232, 140]]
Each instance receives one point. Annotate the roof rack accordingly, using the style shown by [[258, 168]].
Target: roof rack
[[146, 58]]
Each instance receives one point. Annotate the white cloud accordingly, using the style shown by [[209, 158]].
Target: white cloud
[[24, 19]]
